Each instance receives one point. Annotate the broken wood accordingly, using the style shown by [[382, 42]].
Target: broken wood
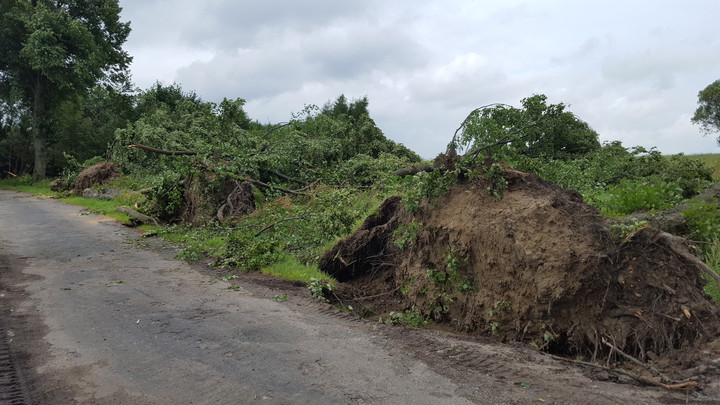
[[684, 386], [136, 215], [164, 152], [413, 170], [10, 173]]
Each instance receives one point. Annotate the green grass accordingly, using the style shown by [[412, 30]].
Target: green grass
[[41, 188], [712, 160], [102, 207], [711, 257], [291, 269]]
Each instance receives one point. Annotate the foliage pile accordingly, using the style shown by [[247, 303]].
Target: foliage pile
[[99, 174]]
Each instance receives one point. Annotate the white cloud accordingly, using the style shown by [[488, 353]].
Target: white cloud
[[632, 70]]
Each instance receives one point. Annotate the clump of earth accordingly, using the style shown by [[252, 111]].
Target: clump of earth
[[538, 266]]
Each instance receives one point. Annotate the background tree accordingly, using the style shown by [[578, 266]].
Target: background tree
[[54, 51], [537, 130], [707, 114]]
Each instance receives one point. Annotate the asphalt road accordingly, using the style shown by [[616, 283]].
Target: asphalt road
[[95, 317]]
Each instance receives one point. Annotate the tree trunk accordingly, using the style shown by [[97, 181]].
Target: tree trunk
[[39, 130]]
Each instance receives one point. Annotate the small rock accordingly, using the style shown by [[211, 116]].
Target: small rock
[[104, 193]]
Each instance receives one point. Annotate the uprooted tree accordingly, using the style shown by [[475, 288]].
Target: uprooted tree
[[489, 250], [205, 156]]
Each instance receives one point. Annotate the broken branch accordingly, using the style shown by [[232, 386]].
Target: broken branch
[[163, 152], [277, 222], [261, 184]]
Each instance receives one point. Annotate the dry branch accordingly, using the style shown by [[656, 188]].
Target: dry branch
[[633, 359], [10, 173], [684, 386], [277, 222]]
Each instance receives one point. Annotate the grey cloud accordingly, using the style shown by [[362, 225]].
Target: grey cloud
[[249, 74], [232, 24], [359, 51]]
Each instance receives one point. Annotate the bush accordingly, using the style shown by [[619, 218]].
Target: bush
[[630, 196]]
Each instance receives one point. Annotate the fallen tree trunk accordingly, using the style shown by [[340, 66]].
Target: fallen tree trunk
[[137, 215], [413, 170]]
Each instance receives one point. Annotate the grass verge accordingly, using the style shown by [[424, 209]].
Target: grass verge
[[291, 269], [711, 257]]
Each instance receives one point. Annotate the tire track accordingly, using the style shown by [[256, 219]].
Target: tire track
[[12, 388]]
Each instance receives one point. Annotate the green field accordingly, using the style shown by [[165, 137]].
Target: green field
[[711, 160]]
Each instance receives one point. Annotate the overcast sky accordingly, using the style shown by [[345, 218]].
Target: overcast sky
[[630, 68]]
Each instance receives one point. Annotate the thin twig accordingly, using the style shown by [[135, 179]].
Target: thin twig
[[376, 295], [261, 184], [688, 385], [277, 222], [634, 360]]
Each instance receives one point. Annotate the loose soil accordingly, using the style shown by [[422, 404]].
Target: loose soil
[[540, 267]]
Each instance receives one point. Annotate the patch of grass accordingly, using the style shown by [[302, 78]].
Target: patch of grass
[[711, 160], [711, 256], [102, 207], [40, 188], [197, 243], [291, 269]]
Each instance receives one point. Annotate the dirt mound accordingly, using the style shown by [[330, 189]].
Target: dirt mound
[[95, 175], [537, 266]]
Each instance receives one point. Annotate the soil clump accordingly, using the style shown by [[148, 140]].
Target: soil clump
[[538, 266]]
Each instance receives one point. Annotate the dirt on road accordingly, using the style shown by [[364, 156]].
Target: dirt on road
[[94, 314]]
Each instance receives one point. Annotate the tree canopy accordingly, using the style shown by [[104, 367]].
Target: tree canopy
[[707, 114], [52, 52], [537, 130]]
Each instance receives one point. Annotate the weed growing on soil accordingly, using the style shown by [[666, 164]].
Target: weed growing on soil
[[405, 235], [454, 262], [498, 307], [430, 186], [437, 277], [621, 231], [320, 289], [410, 317], [494, 174]]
